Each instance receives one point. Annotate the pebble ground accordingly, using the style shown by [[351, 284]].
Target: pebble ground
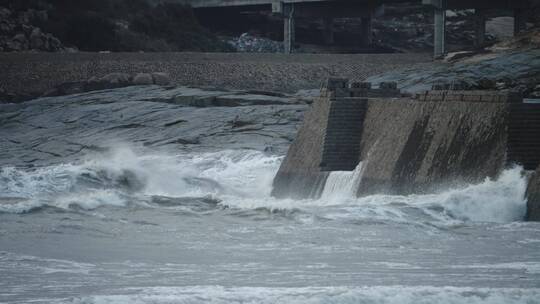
[[39, 72]]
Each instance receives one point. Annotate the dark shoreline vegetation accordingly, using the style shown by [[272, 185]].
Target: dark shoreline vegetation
[[120, 25]]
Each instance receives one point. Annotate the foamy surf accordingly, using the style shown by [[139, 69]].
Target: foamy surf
[[243, 179], [308, 295]]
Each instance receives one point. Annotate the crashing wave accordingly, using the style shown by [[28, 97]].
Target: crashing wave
[[242, 179], [367, 295]]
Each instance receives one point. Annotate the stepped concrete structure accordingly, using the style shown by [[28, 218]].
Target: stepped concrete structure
[[419, 144], [367, 10]]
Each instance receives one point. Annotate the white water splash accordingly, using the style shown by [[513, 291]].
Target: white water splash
[[342, 184], [118, 178], [307, 295], [243, 179]]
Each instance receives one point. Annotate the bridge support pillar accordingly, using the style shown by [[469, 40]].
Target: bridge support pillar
[[328, 30], [480, 27], [288, 28], [439, 42], [367, 35], [520, 20]]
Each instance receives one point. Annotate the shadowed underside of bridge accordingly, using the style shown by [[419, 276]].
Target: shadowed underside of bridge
[[223, 3], [367, 10]]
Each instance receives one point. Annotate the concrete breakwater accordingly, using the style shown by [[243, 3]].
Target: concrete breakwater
[[429, 142], [533, 197]]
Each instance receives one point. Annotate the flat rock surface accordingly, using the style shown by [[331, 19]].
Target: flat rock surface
[[58, 129], [516, 69]]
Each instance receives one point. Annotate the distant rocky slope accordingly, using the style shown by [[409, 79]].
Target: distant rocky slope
[[102, 25], [513, 64], [17, 32], [142, 25]]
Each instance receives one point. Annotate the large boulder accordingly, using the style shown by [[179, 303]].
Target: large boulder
[[115, 79], [37, 40], [533, 196], [109, 81], [143, 79], [161, 79], [4, 13]]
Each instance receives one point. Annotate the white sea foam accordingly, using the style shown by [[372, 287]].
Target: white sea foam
[[528, 267], [243, 179], [357, 295], [43, 265], [107, 180], [342, 184], [501, 200]]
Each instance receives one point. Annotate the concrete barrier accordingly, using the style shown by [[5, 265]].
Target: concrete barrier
[[533, 197], [409, 145]]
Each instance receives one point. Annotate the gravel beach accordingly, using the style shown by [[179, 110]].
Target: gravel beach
[[35, 73]]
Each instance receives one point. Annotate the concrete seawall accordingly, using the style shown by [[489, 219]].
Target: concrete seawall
[[433, 141], [411, 146], [300, 175], [533, 197]]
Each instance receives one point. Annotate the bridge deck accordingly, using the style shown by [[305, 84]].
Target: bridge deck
[[455, 4], [225, 3]]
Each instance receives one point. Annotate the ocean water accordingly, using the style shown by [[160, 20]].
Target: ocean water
[[121, 196], [125, 226]]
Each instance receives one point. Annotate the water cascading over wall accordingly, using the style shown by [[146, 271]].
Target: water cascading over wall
[[328, 139], [408, 145]]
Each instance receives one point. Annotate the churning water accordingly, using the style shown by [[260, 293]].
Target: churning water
[[122, 227], [83, 224]]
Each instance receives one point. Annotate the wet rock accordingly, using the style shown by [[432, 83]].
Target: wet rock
[[518, 71], [454, 56], [388, 85], [116, 78], [487, 84], [535, 92], [71, 126], [143, 79], [8, 97], [109, 81]]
